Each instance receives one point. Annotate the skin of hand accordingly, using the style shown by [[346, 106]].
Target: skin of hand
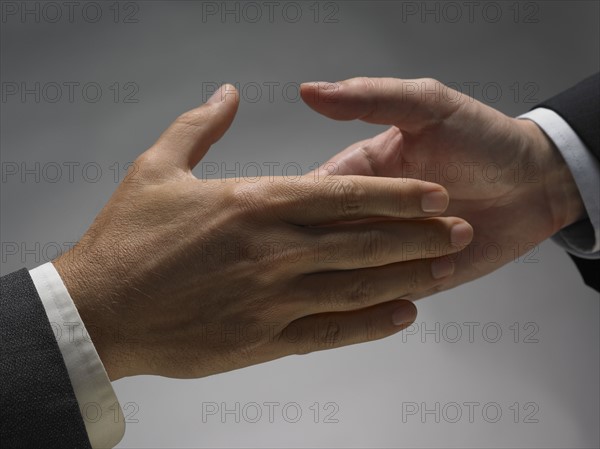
[[185, 278], [504, 175]]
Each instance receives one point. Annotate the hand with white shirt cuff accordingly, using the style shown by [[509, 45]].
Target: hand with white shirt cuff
[[100, 409], [183, 277], [504, 175]]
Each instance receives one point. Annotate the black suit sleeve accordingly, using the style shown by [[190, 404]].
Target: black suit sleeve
[[39, 408], [579, 106]]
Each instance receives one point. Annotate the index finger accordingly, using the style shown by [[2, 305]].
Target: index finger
[[347, 198], [408, 104]]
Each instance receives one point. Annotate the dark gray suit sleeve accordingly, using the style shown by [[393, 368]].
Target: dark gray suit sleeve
[[39, 408], [579, 106]]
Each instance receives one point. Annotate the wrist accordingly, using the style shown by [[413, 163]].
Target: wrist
[[84, 292], [557, 187]]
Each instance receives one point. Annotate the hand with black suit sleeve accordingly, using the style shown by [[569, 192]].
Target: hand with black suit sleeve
[[504, 175], [184, 277]]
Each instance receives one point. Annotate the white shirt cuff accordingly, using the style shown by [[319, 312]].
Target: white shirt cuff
[[98, 403], [582, 239]]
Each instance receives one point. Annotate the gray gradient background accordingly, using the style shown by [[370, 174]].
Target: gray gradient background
[[169, 53]]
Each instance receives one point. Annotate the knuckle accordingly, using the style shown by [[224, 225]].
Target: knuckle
[[440, 100], [367, 83], [351, 197], [145, 165], [431, 90], [373, 246], [147, 158], [407, 200], [413, 278], [299, 347], [326, 333], [434, 235], [149, 168], [430, 83], [371, 87], [190, 119], [361, 292], [370, 329], [304, 347], [358, 293], [246, 200]]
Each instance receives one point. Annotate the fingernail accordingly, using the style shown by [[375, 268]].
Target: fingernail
[[441, 268], [434, 202], [461, 234], [404, 315]]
